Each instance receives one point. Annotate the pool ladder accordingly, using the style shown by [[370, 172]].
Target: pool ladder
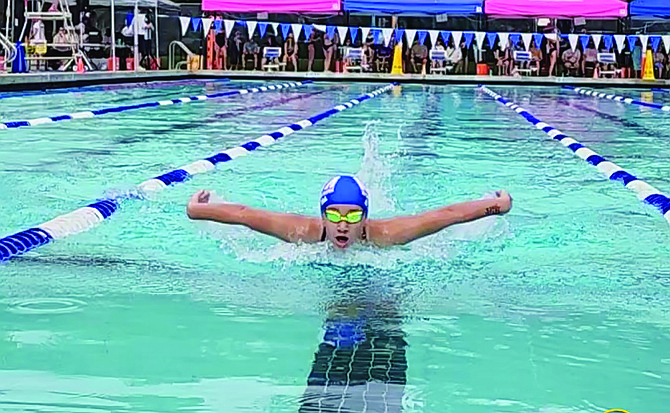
[[10, 51], [172, 65]]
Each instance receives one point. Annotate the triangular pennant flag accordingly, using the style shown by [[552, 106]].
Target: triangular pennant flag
[[607, 41], [196, 22], [491, 37], [596, 40], [342, 33], [666, 43], [387, 33], [619, 39], [480, 36], [398, 35], [526, 40], [285, 27], [206, 24], [353, 31], [411, 33], [584, 39], [504, 40], [365, 31], [274, 28], [422, 36], [551, 36], [308, 29], [184, 21], [320, 27], [573, 39], [457, 38], [229, 25], [445, 36], [251, 28], [262, 28], [469, 37], [515, 38], [538, 37], [297, 28], [644, 38], [632, 40], [655, 42], [218, 26], [330, 31], [433, 37]]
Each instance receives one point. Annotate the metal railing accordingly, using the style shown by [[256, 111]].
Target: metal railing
[[10, 49], [172, 65]]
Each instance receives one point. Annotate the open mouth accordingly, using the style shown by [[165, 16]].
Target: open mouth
[[341, 239]]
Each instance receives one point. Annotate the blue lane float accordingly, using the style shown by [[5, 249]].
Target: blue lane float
[[616, 98], [92, 214], [168, 102], [643, 190]]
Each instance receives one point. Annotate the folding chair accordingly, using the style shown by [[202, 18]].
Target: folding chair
[[271, 57], [353, 58], [438, 56], [605, 59], [523, 57]]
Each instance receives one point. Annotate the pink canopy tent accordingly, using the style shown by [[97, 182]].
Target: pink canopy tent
[[273, 6], [557, 8]]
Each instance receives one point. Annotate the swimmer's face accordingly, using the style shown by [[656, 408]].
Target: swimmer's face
[[343, 234]]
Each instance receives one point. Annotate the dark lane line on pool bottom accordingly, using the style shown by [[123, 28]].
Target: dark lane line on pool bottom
[[156, 133]]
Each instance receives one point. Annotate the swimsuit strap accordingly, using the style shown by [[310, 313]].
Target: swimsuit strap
[[323, 234]]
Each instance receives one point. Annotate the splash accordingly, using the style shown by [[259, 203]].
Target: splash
[[375, 171]]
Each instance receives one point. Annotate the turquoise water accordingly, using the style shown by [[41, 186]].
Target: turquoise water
[[560, 306]]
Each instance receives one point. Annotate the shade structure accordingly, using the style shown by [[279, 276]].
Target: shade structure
[[415, 6], [273, 6], [650, 8], [557, 8]]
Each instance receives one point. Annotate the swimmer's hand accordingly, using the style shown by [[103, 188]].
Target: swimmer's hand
[[504, 203], [197, 203]]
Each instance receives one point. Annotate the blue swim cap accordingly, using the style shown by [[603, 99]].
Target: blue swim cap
[[346, 190]]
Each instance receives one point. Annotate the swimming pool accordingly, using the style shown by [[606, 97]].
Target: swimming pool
[[560, 306]]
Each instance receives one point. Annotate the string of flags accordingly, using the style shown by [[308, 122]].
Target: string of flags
[[385, 35]]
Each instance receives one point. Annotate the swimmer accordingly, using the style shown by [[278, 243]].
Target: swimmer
[[344, 217]]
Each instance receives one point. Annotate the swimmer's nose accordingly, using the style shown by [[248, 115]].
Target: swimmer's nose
[[343, 226]]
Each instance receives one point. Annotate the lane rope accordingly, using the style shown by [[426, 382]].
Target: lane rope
[[614, 172], [616, 98], [92, 214], [168, 102]]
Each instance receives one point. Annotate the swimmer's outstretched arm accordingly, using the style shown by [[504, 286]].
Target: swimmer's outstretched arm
[[287, 227], [401, 230]]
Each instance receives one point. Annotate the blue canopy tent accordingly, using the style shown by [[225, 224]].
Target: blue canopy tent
[[650, 8], [415, 6]]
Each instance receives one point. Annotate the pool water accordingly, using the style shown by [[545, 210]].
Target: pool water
[[560, 306]]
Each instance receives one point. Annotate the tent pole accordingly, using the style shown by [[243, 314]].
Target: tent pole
[[156, 36], [113, 25], [136, 25]]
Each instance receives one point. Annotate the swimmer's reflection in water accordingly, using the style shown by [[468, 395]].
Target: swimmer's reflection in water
[[360, 364]]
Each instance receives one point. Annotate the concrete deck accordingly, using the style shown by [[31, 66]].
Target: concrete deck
[[48, 80]]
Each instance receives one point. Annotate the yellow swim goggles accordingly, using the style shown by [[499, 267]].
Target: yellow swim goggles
[[352, 217]]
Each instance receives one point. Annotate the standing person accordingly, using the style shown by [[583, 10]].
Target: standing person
[[291, 51], [148, 58], [329, 46], [235, 50], [344, 217], [636, 56], [221, 46], [311, 48]]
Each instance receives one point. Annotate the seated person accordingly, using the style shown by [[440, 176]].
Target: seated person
[[418, 57], [660, 61], [250, 48], [536, 55], [454, 57], [439, 45], [368, 53], [270, 41], [62, 48], [503, 59], [291, 51], [571, 61], [383, 54], [590, 58]]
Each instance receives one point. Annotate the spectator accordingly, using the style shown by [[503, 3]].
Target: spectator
[[235, 51], [270, 41], [311, 49], [571, 61], [552, 47], [439, 46], [384, 54], [368, 52], [660, 61], [636, 56], [329, 47], [503, 56], [221, 51], [252, 48], [418, 56], [291, 52], [589, 59], [536, 55], [62, 48], [453, 57]]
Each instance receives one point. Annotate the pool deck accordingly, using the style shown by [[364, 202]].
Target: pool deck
[[49, 80]]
